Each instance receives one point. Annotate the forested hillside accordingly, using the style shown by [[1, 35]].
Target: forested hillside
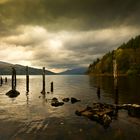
[[127, 57]]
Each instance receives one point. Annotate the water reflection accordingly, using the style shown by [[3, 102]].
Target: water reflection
[[32, 111], [126, 90], [27, 97], [98, 92]]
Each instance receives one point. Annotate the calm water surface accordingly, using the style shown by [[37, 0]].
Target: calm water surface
[[31, 116]]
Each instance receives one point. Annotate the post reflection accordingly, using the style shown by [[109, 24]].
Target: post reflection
[[98, 93], [44, 99], [27, 98], [116, 99], [116, 91]]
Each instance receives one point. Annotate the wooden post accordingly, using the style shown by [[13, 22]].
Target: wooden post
[[13, 92], [51, 86], [43, 76], [1, 81], [27, 79], [14, 82], [5, 79]]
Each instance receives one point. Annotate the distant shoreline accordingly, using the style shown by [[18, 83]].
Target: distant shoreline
[[111, 75]]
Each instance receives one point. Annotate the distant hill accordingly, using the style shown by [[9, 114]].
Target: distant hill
[[76, 71], [127, 57], [5, 69]]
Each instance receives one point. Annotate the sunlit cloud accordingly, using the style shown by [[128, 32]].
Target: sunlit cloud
[[11, 54], [36, 46]]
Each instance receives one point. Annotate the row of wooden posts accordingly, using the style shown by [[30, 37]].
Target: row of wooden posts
[[14, 81]]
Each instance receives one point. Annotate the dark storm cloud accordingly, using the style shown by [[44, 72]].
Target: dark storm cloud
[[65, 33], [69, 14]]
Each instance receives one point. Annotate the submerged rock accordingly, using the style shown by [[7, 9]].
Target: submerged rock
[[12, 93], [74, 100], [106, 120], [54, 99], [65, 99], [56, 103]]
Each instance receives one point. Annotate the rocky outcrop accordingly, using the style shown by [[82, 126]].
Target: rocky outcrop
[[104, 113], [101, 113], [12, 93], [74, 100], [56, 103]]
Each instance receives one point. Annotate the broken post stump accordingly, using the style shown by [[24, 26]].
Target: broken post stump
[[51, 86], [27, 79], [13, 92]]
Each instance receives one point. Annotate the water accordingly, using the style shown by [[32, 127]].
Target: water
[[31, 116]]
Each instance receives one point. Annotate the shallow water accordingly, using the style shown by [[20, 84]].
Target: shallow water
[[31, 116]]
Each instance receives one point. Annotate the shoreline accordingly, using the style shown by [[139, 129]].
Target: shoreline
[[111, 75]]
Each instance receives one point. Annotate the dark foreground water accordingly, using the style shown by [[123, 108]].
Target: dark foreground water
[[31, 116]]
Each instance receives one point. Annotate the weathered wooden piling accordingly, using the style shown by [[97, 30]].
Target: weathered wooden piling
[[13, 92], [43, 80], [27, 79], [14, 81], [51, 86], [1, 81]]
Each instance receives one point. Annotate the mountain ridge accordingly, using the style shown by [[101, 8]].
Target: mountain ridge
[[5, 69], [74, 71]]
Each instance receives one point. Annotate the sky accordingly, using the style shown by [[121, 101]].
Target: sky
[[64, 34]]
